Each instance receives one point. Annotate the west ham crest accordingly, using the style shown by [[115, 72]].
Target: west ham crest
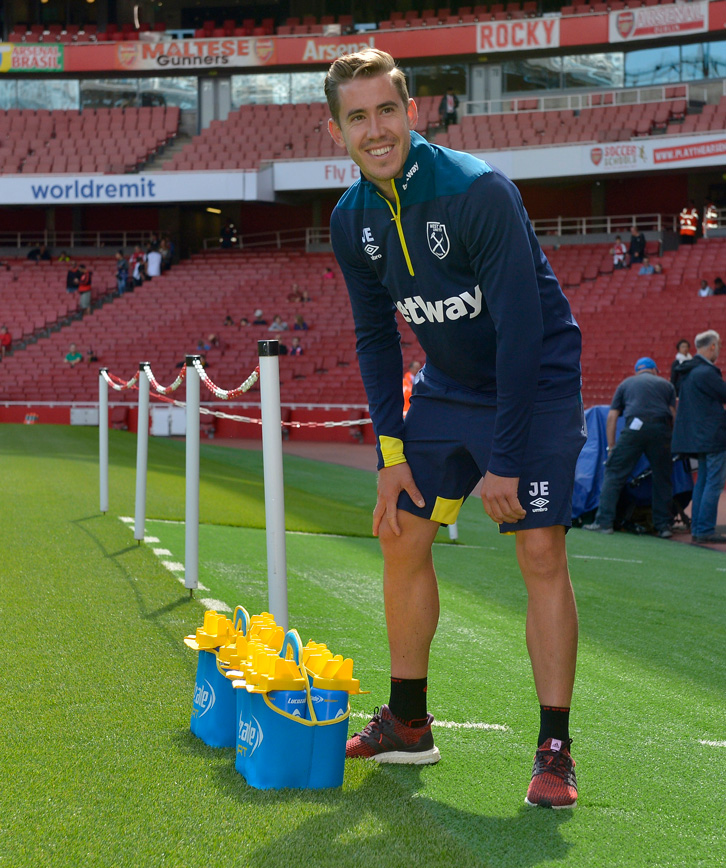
[[438, 239]]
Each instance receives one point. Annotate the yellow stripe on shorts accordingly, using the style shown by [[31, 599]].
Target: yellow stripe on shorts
[[445, 510]]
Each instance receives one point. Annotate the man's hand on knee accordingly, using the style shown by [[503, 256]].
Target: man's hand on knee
[[499, 496], [391, 482]]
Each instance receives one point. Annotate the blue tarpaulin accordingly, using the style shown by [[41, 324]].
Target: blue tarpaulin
[[591, 467]]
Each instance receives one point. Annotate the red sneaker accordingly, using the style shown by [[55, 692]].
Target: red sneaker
[[386, 739], [553, 784]]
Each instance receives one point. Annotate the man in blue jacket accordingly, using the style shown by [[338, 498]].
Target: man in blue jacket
[[443, 239], [700, 430]]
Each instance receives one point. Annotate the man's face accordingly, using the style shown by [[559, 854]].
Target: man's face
[[374, 126]]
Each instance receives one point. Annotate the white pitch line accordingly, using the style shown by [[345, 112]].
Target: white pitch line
[[712, 743], [310, 533], [151, 539], [173, 566], [449, 724], [600, 558], [217, 605], [160, 552]]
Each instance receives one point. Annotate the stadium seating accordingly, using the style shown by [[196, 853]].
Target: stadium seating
[[526, 125], [101, 140], [34, 296], [312, 25], [254, 134], [166, 318], [257, 133]]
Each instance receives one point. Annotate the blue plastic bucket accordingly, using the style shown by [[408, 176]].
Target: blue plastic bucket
[[214, 705], [277, 749], [294, 702], [329, 704]]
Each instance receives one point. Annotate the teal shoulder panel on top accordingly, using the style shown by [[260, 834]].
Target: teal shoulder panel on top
[[456, 171]]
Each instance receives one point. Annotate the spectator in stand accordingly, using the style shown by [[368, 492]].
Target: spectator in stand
[[136, 256], [166, 250], [618, 251], [705, 289], [277, 324], [688, 223], [228, 321], [244, 322], [64, 257], [153, 263], [228, 237], [710, 218], [6, 341], [328, 274], [122, 272], [296, 349], [91, 355], [84, 289], [646, 268], [38, 253], [657, 268], [447, 108], [295, 294], [282, 348], [73, 357], [300, 324], [636, 250], [718, 287], [683, 354], [259, 318], [73, 277], [139, 273]]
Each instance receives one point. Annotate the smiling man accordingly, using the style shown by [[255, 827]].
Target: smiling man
[[443, 238]]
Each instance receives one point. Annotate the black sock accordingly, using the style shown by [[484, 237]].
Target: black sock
[[408, 700], [554, 722]]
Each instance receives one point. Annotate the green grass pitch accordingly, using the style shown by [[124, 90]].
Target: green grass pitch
[[98, 767]]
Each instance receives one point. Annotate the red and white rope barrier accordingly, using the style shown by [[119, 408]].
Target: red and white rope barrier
[[267, 372], [217, 391], [117, 383], [164, 390]]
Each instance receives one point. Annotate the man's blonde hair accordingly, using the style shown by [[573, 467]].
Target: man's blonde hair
[[368, 63]]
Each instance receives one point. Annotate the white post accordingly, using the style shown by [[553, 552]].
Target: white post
[[142, 454], [191, 516], [274, 489], [103, 439]]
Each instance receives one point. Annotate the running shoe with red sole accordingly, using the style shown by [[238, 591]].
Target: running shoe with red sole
[[553, 784], [386, 739]]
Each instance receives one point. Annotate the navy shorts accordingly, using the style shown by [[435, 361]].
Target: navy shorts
[[447, 442]]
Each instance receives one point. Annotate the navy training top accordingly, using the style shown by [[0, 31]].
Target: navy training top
[[457, 256]]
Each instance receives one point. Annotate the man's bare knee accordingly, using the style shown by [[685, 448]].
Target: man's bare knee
[[414, 543], [541, 551]]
